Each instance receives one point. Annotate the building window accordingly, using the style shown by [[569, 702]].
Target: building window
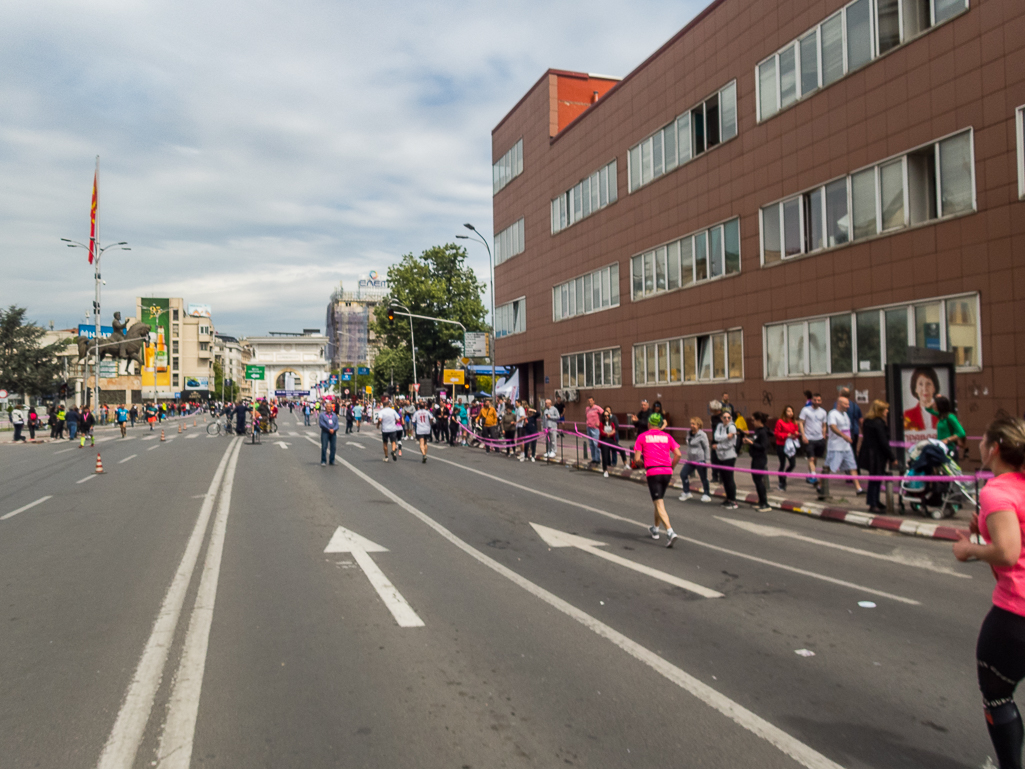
[[587, 197], [596, 291], [696, 131], [595, 368], [1019, 116], [174, 363], [174, 315], [718, 356], [509, 242], [848, 40], [511, 318], [508, 167], [174, 346], [204, 346], [864, 341], [705, 255], [174, 380], [174, 329], [928, 183]]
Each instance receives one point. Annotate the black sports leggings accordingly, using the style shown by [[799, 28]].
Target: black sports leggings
[[1000, 655]]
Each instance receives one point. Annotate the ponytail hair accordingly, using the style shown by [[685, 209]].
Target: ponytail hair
[[1007, 433]]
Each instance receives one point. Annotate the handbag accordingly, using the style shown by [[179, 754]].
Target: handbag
[[790, 448]]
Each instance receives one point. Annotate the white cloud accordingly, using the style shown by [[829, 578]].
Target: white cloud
[[254, 155]]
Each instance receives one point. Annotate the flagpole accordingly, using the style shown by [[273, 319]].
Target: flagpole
[[96, 304]]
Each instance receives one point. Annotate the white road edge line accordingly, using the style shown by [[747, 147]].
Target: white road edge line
[[127, 732], [175, 750], [756, 559], [29, 506], [797, 750], [131, 456], [154, 446], [87, 478]]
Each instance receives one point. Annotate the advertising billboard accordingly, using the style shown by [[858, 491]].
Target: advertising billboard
[[197, 383], [89, 330], [155, 313], [198, 310]]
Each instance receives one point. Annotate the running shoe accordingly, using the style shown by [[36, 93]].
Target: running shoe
[[672, 537], [731, 506], [523, 459], [653, 531], [606, 473], [765, 509], [532, 459], [424, 460], [394, 459], [685, 496], [705, 498], [810, 481], [386, 459]]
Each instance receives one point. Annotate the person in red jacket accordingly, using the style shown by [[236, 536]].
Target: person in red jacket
[[786, 427]]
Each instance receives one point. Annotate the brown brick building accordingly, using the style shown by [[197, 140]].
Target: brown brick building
[[785, 196]]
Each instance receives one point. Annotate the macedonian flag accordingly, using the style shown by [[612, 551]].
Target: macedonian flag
[[92, 219]]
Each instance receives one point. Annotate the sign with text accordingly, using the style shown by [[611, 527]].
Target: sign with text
[[475, 344], [453, 376], [256, 373], [89, 332], [363, 371]]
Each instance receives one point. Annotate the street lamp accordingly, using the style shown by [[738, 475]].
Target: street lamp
[[412, 342], [96, 304], [491, 266]]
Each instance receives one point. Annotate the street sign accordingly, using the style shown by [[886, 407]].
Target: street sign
[[452, 376], [465, 361], [256, 373], [346, 371], [347, 377], [362, 371], [416, 388], [475, 344], [347, 391], [3, 395], [369, 389]]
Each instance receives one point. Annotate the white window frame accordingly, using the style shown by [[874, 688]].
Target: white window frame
[[934, 144], [516, 245], [508, 307], [574, 206], [558, 288], [853, 315], [706, 231], [674, 125], [817, 31], [1020, 131], [572, 356], [680, 340], [512, 160]]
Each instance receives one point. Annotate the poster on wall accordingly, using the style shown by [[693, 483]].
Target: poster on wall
[[156, 372], [197, 383], [915, 389]]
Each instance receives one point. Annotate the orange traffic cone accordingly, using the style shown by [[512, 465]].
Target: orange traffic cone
[[179, 428], [99, 464], [162, 436]]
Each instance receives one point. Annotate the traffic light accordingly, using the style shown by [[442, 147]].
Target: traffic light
[[391, 314]]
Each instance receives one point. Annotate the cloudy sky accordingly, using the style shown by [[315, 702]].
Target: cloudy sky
[[256, 154]]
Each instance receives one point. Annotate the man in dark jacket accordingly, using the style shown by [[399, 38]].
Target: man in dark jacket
[[329, 433], [240, 418]]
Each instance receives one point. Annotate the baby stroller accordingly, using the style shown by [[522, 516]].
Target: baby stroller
[[934, 500]]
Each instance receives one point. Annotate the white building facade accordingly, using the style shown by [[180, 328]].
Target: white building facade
[[294, 364]]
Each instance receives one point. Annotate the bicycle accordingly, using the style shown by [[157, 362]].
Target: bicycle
[[215, 427], [254, 429]]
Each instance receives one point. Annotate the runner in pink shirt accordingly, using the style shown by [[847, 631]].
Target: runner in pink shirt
[[659, 453]]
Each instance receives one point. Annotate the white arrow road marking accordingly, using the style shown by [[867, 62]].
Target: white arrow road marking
[[556, 538], [190, 436], [122, 461], [357, 445], [904, 560], [29, 506], [345, 541], [282, 444]]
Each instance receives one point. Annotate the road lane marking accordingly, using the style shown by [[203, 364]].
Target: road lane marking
[[127, 732], [29, 506], [357, 445], [756, 559], [556, 538], [190, 436], [175, 750], [345, 541], [122, 461], [87, 478], [789, 745], [155, 446], [282, 444], [65, 451], [150, 438], [773, 531]]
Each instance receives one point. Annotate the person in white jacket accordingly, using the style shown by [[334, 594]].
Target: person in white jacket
[[725, 438], [18, 420], [698, 450]]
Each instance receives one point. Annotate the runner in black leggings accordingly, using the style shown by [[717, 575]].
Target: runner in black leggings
[[1000, 653]]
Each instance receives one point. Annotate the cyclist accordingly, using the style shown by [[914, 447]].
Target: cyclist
[[264, 417]]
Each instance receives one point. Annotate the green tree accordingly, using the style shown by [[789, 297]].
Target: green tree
[[439, 284], [391, 363], [231, 392], [26, 366]]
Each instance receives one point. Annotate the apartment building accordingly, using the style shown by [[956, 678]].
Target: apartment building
[[784, 196]]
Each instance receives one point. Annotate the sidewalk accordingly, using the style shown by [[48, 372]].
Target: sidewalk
[[800, 497], [43, 433]]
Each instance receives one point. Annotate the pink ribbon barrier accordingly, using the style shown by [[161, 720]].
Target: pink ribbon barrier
[[501, 442]]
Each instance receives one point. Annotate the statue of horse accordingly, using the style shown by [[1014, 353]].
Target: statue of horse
[[129, 348]]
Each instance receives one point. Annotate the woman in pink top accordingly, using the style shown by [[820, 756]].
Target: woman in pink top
[[659, 453], [1000, 651]]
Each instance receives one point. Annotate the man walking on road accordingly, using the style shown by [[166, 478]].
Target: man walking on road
[[593, 420], [328, 433], [840, 447], [659, 453], [391, 427], [121, 415], [422, 422], [306, 413], [812, 421]]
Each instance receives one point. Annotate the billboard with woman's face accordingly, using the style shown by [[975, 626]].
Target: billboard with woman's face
[[919, 386]]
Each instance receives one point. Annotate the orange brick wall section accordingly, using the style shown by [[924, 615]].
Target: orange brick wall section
[[575, 93]]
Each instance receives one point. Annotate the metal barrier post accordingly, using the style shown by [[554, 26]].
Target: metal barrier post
[[576, 447]]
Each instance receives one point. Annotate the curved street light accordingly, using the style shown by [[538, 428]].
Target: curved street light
[[412, 342], [491, 266]]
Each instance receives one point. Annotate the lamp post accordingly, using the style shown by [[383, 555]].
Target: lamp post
[[491, 267], [410, 315], [412, 342], [97, 279]]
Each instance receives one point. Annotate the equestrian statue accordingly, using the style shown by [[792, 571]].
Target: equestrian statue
[[119, 345]]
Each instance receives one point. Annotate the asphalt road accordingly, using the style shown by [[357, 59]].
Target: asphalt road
[[180, 610]]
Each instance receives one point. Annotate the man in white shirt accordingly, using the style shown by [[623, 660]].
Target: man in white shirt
[[840, 447], [422, 421], [391, 426], [812, 422]]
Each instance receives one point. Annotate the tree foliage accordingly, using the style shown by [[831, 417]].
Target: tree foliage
[[26, 366], [438, 284], [231, 392]]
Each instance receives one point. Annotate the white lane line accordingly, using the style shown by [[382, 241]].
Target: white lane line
[[190, 436], [87, 478], [122, 461], [150, 438], [756, 559], [126, 735], [922, 562], [211, 436], [65, 451], [29, 506], [154, 446], [175, 750], [789, 745]]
